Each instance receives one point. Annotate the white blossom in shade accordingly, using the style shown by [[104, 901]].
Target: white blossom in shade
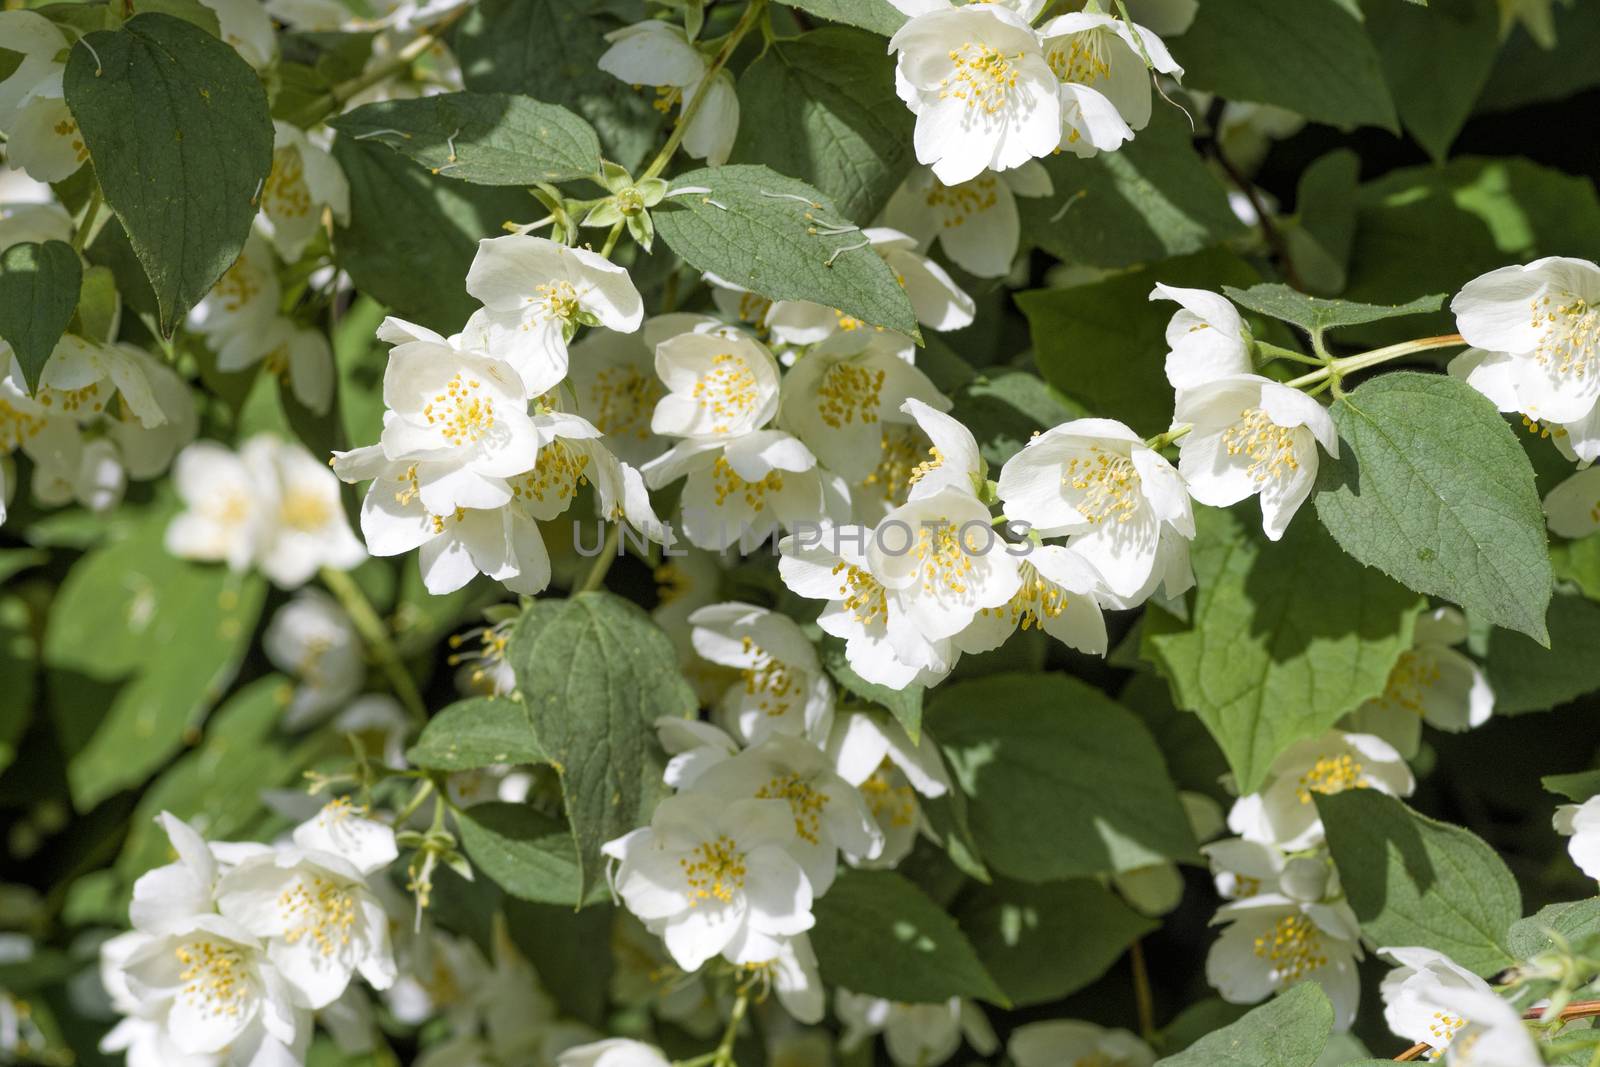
[[439, 974], [464, 420], [1251, 436], [312, 639], [571, 454], [979, 85], [875, 755], [24, 219], [916, 1035], [298, 356], [42, 137], [208, 983], [1105, 85], [312, 908], [719, 386], [1097, 482], [881, 643], [953, 459], [147, 451], [1283, 812], [1429, 998], [8, 484], [1538, 326], [1206, 337], [781, 686], [830, 816], [1581, 823], [1056, 593], [793, 975], [839, 396], [535, 294], [80, 376], [659, 55], [614, 380], [742, 490], [613, 1052], [1070, 1042], [1244, 869], [239, 307], [225, 513], [381, 725], [1572, 509], [643, 974], [345, 830], [695, 747], [713, 877], [1272, 942], [143, 1041], [246, 26], [903, 450], [1431, 682], [939, 558], [975, 222], [501, 542], [304, 184], [68, 467], [307, 528]]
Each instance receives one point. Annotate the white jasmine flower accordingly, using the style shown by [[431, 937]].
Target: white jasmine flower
[[320, 922], [80, 376], [239, 307], [714, 877], [307, 528], [795, 979], [1206, 337], [210, 986], [1272, 943], [881, 643], [695, 747], [1243, 869], [1284, 813], [298, 356], [313, 639], [381, 725], [1430, 999], [1097, 482], [740, 490], [42, 137], [1581, 822], [953, 457], [1539, 329], [1572, 509], [1056, 594], [718, 386], [875, 755], [658, 54], [975, 222], [535, 294], [29, 215], [246, 25], [226, 514], [143, 1041], [1105, 85], [1068, 1041], [463, 418], [1252, 436], [984, 96], [782, 688], [1431, 682], [839, 395], [147, 451], [167, 898], [613, 1052], [916, 1035], [613, 377], [438, 975], [829, 814], [344, 830], [68, 467], [303, 185]]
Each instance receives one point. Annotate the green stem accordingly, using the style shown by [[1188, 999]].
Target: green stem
[[1162, 440], [1272, 351], [341, 94], [691, 107], [1143, 1000], [611, 240], [724, 1055], [91, 215], [1350, 364], [376, 635], [602, 562]]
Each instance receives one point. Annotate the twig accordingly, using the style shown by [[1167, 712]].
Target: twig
[[376, 635]]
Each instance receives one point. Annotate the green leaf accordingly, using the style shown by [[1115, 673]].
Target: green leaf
[[476, 733], [1102, 344], [444, 220], [1414, 881], [904, 704], [1528, 677], [121, 612], [1436, 60], [595, 674], [99, 306], [1526, 72], [1043, 942], [1314, 58], [550, 49], [753, 227], [1325, 203], [1285, 638], [1432, 488], [1063, 782], [878, 934], [1314, 314], [1151, 199], [181, 139], [822, 108], [561, 942], [1289, 1031], [529, 855], [1576, 787], [1005, 408], [879, 16], [218, 785], [483, 138], [38, 291], [19, 665], [1574, 921]]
